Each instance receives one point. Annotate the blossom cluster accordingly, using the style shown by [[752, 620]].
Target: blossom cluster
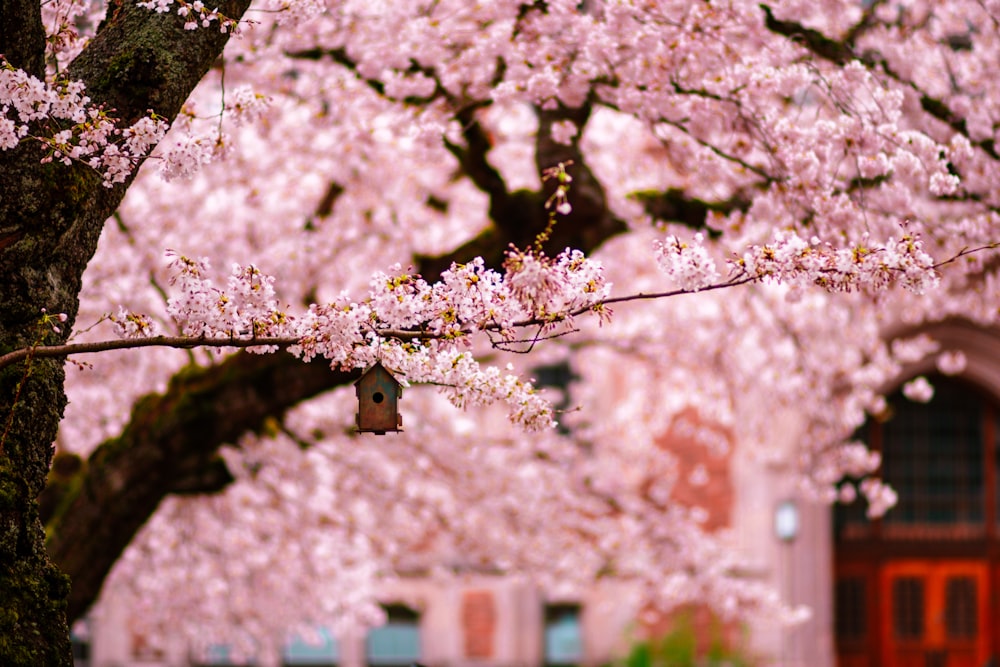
[[185, 155], [66, 23], [792, 260], [426, 329], [133, 325], [71, 129], [881, 497], [469, 298], [247, 307], [418, 328], [918, 389], [554, 288], [865, 266], [196, 14], [196, 142], [689, 266]]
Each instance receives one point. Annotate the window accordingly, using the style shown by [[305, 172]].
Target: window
[[320, 649], [563, 636], [851, 609], [217, 655], [935, 456], [961, 608], [908, 608], [397, 643]]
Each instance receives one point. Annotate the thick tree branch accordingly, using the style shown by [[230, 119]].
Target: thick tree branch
[[519, 217], [474, 164], [813, 40], [140, 60], [841, 53], [590, 221], [170, 446], [22, 36], [677, 206]]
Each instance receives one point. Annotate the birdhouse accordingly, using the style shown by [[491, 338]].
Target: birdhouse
[[378, 401]]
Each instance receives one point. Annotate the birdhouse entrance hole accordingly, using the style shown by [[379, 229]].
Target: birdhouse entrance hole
[[378, 397]]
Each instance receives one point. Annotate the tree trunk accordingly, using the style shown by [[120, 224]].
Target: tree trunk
[[51, 216]]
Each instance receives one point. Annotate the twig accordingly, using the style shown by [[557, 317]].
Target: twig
[[182, 342]]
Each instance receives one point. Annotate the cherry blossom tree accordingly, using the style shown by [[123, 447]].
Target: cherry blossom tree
[[736, 208]]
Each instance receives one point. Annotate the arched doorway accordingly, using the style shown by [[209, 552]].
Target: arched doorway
[[919, 587]]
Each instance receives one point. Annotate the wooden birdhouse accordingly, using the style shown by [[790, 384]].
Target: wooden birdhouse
[[378, 401]]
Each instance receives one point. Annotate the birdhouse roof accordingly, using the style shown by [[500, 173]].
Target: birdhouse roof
[[375, 370]]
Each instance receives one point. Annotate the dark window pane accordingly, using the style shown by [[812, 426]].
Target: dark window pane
[[932, 455], [908, 608], [850, 609], [960, 608]]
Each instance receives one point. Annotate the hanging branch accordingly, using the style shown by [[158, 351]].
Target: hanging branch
[[189, 342]]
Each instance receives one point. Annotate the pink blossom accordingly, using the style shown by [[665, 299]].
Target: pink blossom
[[563, 131], [951, 362], [918, 389]]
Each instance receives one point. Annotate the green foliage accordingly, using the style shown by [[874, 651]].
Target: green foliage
[[684, 646]]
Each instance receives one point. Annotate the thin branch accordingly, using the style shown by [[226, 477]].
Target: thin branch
[[188, 342], [180, 342], [663, 295], [760, 171], [966, 251], [509, 345]]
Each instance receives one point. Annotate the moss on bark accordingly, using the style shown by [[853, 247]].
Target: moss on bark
[[33, 628]]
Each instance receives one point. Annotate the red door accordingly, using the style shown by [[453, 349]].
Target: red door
[[934, 613]]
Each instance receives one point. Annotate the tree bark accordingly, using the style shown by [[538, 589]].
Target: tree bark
[[51, 216]]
